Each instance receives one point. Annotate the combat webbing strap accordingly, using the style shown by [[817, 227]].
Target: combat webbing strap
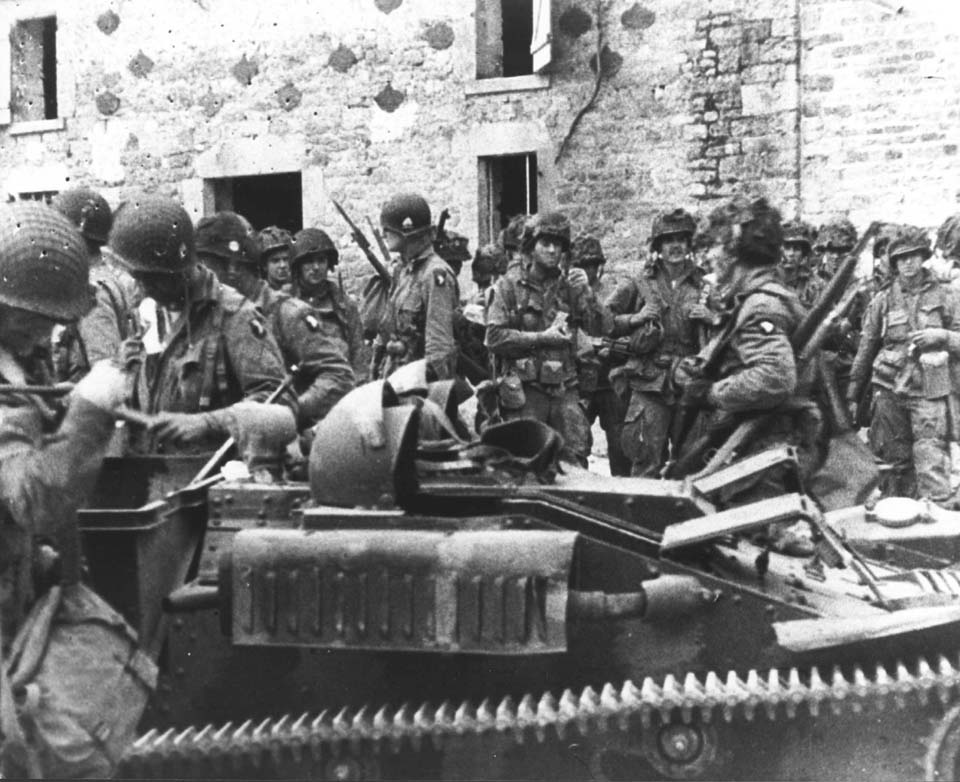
[[214, 369]]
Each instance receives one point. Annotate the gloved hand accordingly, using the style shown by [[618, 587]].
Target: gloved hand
[[695, 393], [577, 278], [182, 428], [930, 338], [103, 386]]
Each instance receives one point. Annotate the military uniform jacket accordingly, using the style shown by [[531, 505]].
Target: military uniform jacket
[[420, 314], [758, 369], [324, 376], [653, 371], [220, 352], [45, 472], [806, 285], [339, 319], [891, 317], [523, 306]]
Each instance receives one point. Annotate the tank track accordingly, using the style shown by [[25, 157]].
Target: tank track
[[332, 734]]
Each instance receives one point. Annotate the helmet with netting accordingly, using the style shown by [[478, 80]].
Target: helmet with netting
[[586, 250], [800, 232], [489, 260], [948, 238], [225, 235], [909, 239], [452, 247], [312, 242], [273, 238], [679, 222], [552, 224], [43, 262], [838, 235], [88, 210], [152, 234], [511, 237]]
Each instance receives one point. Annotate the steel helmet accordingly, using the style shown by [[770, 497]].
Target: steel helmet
[[948, 237], [586, 249], [555, 224], [312, 241], [511, 237], [837, 235], [226, 236], [800, 232], [273, 238], [909, 239], [407, 214], [152, 234], [88, 210], [43, 262], [452, 247], [677, 222], [489, 260]]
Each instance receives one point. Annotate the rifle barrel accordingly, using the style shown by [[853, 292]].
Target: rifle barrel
[[364, 244]]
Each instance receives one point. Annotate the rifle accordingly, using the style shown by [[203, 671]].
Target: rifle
[[610, 347], [380, 243], [441, 224], [364, 244]]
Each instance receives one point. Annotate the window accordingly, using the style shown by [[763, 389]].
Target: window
[[513, 37], [508, 187], [268, 199], [46, 196], [33, 70]]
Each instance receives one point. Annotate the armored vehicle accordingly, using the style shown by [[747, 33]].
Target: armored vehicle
[[433, 606]]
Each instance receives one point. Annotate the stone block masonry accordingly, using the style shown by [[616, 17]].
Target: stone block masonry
[[697, 100]]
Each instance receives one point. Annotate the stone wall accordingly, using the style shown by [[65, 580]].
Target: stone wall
[[365, 97]]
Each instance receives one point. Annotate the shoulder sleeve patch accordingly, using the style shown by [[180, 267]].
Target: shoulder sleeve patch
[[439, 278], [312, 323], [257, 327]]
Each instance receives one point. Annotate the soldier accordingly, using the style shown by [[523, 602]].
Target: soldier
[[947, 247], [753, 362], [453, 248], [323, 376], [113, 318], [417, 320], [48, 468], [532, 324], [486, 267], [664, 313], [834, 240], [218, 350], [510, 240], [911, 337], [796, 261], [596, 391], [314, 256], [275, 257]]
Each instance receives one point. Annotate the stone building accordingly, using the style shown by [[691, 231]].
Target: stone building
[[623, 108]]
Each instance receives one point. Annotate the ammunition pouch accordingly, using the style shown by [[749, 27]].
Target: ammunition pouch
[[888, 365], [511, 393], [935, 374], [551, 373]]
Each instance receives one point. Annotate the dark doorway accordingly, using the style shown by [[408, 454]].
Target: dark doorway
[[267, 199], [508, 185]]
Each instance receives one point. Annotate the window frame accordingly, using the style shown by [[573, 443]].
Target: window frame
[[542, 54]]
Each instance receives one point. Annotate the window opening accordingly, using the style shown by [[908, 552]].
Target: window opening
[[33, 70], [265, 199], [508, 187]]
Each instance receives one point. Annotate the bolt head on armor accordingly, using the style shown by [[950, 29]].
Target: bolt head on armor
[[225, 235], [43, 262], [839, 235], [152, 234], [678, 222], [311, 242], [88, 210], [909, 239], [554, 224], [406, 214]]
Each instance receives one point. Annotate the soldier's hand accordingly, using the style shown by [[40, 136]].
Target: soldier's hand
[[928, 339], [181, 428], [695, 393], [577, 278], [555, 336], [131, 351], [647, 312], [103, 386]]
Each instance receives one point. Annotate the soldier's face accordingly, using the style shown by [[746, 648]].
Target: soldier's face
[[23, 331], [831, 258], [168, 290], [231, 272], [674, 248], [793, 253], [278, 267], [393, 240], [313, 271], [910, 265], [548, 252]]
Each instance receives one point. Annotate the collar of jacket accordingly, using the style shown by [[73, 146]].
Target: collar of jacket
[[656, 266]]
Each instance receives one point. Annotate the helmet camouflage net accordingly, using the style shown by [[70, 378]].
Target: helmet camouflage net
[[88, 210], [152, 234], [226, 236], [511, 237], [586, 249], [948, 237], [489, 259], [800, 232], [679, 222], [909, 239], [43, 262], [837, 235], [312, 242], [273, 238], [554, 224], [452, 246]]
